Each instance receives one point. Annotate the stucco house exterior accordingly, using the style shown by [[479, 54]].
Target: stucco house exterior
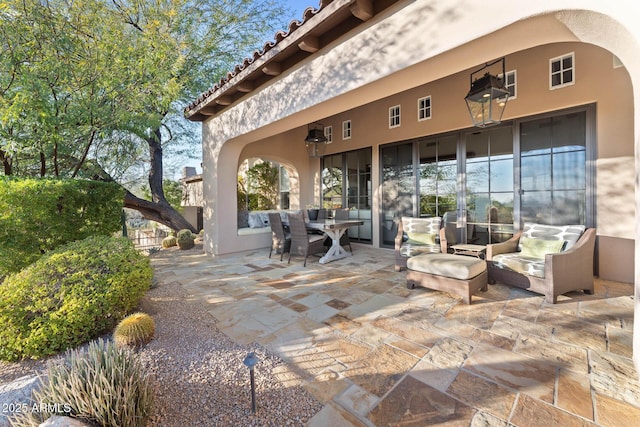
[[192, 199], [386, 81]]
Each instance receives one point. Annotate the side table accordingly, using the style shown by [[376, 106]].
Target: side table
[[471, 250]]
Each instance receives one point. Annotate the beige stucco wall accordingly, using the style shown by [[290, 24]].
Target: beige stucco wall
[[377, 60]]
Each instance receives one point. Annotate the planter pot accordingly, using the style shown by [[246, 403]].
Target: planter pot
[[313, 214]]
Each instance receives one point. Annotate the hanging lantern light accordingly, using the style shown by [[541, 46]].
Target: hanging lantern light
[[487, 97], [315, 140]]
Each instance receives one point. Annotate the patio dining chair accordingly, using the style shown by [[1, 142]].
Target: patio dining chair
[[280, 239], [322, 215], [302, 243]]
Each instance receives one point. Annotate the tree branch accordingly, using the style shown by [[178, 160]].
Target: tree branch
[[85, 153]]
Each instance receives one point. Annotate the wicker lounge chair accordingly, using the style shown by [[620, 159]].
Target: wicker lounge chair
[[524, 260]]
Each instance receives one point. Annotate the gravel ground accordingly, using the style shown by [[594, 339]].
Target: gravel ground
[[200, 378]]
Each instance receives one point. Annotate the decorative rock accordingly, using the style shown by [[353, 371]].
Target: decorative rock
[[58, 421], [16, 394]]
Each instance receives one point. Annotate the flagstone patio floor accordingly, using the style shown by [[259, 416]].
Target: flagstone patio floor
[[376, 353]]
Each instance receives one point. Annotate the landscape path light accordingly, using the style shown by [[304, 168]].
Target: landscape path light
[[250, 361]]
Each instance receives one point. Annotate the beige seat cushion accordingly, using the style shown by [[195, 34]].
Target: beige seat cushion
[[453, 266]]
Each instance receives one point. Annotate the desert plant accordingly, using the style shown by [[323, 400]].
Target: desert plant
[[185, 239], [70, 296], [101, 384], [135, 330], [169, 241]]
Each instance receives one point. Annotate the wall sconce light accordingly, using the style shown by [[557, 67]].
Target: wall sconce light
[[315, 140], [487, 97]]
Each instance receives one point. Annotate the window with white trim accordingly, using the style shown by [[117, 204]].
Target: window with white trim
[[346, 129], [562, 71], [394, 116], [510, 84], [328, 133], [424, 108]]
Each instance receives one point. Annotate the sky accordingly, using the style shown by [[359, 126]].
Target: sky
[[299, 6]]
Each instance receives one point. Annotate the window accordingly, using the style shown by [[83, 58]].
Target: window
[[328, 133], [424, 108], [346, 129], [285, 189], [394, 117], [561, 71], [510, 84]]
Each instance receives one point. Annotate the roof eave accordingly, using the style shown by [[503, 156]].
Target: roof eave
[[305, 36]]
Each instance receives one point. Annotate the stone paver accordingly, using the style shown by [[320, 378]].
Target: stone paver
[[376, 353]]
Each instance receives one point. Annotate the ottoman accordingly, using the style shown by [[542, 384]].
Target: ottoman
[[455, 274]]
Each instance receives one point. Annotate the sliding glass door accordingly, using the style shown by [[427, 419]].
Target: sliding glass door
[[489, 186], [553, 170], [398, 187], [438, 171]]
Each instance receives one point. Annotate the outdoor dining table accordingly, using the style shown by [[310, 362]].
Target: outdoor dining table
[[334, 229]]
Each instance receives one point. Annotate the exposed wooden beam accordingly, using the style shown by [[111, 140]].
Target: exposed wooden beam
[[224, 100], [362, 9], [245, 86], [208, 111], [272, 69], [310, 44]]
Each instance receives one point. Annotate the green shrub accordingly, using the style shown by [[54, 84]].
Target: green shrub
[[169, 241], [69, 296], [38, 215], [134, 330], [103, 385]]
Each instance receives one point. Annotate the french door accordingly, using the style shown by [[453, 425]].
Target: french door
[[553, 170], [489, 186], [486, 183]]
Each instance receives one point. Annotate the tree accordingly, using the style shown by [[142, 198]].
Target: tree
[[260, 186], [94, 88], [172, 192]]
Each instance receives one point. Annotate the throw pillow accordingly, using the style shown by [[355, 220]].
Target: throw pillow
[[421, 238], [254, 220], [538, 248]]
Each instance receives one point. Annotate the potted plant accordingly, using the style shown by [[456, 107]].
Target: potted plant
[[312, 211]]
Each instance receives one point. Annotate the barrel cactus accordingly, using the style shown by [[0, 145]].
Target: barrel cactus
[[134, 330], [185, 239], [170, 241]]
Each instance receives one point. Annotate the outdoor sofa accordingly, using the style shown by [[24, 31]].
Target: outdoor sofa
[[546, 259]]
